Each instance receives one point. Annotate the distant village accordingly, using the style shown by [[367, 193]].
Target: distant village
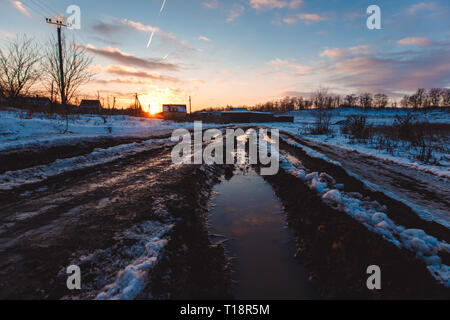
[[173, 112]]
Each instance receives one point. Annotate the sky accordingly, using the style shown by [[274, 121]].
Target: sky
[[243, 52]]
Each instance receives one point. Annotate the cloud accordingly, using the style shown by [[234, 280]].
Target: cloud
[[415, 41], [423, 6], [107, 28], [202, 38], [310, 17], [211, 4], [122, 81], [226, 71], [307, 18], [116, 55], [290, 65], [19, 6], [275, 4], [294, 4], [358, 69], [335, 53], [290, 20], [236, 11], [6, 34], [131, 72]]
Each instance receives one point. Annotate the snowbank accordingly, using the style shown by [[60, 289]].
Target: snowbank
[[372, 215], [18, 132], [13, 179], [130, 281]]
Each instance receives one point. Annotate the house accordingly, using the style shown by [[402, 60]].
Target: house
[[90, 105], [238, 115], [174, 111], [37, 101]]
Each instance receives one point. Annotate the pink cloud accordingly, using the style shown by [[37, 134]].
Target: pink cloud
[[211, 4], [275, 4], [19, 6], [236, 11], [414, 41], [423, 6]]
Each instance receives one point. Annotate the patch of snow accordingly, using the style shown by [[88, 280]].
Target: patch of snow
[[419, 210], [14, 179], [370, 214]]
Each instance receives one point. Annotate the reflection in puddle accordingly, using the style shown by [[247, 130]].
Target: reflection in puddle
[[248, 213]]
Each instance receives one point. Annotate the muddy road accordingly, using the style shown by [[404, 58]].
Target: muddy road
[[427, 192], [139, 227]]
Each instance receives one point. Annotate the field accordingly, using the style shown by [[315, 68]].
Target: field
[[107, 197]]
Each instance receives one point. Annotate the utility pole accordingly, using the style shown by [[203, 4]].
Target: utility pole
[[59, 24], [190, 105]]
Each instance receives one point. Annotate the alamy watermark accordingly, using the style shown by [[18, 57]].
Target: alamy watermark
[[263, 146], [374, 20], [74, 18], [374, 281], [74, 279]]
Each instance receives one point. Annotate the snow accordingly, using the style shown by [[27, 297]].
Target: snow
[[131, 265], [371, 214], [13, 179], [39, 131], [133, 278], [422, 212], [332, 196], [402, 155]]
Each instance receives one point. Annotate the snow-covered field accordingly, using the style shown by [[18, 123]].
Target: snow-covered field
[[18, 131], [403, 154], [372, 215]]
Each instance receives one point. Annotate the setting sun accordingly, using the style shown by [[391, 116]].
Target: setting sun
[[153, 102]]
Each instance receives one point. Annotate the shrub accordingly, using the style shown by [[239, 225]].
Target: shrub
[[357, 127], [405, 126], [323, 121]]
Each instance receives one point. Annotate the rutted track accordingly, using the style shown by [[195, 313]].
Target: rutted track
[[53, 224], [421, 189], [67, 218]]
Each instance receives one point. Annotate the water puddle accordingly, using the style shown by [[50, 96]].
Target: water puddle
[[247, 212]]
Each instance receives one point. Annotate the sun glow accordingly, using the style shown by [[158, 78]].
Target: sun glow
[[153, 102]]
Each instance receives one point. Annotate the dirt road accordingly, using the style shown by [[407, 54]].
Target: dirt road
[[142, 220]]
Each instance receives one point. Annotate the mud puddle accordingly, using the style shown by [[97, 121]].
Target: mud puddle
[[248, 218]]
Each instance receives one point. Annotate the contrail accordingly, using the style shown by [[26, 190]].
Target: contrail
[[153, 32], [151, 38], [163, 5]]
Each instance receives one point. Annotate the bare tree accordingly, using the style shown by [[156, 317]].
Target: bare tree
[[421, 97], [19, 69], [435, 96], [417, 100], [350, 100], [76, 64], [381, 100], [445, 93], [320, 98], [366, 100], [323, 102], [406, 101]]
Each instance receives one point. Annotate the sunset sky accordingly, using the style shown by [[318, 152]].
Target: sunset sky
[[241, 52]]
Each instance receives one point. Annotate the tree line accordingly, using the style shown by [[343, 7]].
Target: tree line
[[322, 99], [24, 64]]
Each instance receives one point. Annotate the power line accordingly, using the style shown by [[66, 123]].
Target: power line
[[59, 24], [45, 10], [50, 9], [34, 9]]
